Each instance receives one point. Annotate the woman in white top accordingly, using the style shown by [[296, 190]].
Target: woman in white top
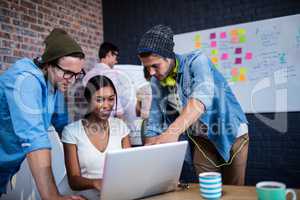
[[86, 141]]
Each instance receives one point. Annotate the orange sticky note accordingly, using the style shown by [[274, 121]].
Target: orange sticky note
[[214, 60], [234, 33], [197, 45], [242, 77]]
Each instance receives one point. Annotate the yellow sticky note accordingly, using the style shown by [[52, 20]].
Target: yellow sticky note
[[241, 31], [214, 52], [214, 60], [243, 70], [197, 38]]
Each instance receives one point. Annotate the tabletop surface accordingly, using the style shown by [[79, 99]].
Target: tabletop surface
[[229, 192]]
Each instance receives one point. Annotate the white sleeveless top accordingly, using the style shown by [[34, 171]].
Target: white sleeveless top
[[91, 160]]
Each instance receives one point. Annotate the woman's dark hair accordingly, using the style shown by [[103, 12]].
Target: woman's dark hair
[[95, 84]]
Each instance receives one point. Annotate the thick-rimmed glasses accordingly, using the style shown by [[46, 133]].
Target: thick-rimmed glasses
[[69, 74]]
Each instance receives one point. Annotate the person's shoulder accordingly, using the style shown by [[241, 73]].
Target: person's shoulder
[[74, 125], [24, 68]]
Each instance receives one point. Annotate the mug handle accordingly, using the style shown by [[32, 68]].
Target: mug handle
[[294, 196]]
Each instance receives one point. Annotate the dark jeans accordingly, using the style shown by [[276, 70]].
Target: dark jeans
[[188, 172]]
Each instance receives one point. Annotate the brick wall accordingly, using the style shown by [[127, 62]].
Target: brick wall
[[26, 23]]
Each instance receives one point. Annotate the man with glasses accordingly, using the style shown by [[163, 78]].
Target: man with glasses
[[31, 99], [108, 57]]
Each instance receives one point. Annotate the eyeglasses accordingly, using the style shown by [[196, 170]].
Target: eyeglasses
[[68, 74]]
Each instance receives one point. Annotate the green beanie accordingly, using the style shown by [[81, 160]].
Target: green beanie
[[59, 44]]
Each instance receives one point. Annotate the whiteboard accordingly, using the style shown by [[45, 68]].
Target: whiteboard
[[260, 60]]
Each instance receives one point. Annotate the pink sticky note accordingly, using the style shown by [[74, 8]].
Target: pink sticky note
[[238, 61], [223, 35], [234, 72], [224, 56], [238, 50], [248, 56], [213, 44], [213, 36]]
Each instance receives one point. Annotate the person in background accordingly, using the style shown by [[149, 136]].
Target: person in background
[[125, 106], [31, 96], [86, 141], [108, 57], [192, 101]]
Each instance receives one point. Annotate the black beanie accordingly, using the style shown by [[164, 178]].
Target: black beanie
[[59, 44], [158, 40]]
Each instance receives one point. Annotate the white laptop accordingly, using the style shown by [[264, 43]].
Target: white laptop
[[142, 171]]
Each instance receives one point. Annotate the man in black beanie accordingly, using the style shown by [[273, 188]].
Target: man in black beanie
[[190, 97], [31, 96]]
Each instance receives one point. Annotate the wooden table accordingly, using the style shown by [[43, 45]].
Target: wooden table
[[229, 193]]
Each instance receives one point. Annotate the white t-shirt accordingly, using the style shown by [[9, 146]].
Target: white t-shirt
[[91, 160]]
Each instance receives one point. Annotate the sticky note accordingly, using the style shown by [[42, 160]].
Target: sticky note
[[214, 60], [213, 44], [243, 70], [224, 56], [213, 36], [238, 61], [197, 37], [235, 39], [197, 45], [242, 39], [234, 79], [242, 77], [241, 32], [214, 52], [248, 56], [238, 50], [223, 35], [234, 72], [234, 33]]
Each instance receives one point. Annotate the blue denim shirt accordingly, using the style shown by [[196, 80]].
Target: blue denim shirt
[[28, 105], [198, 78]]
